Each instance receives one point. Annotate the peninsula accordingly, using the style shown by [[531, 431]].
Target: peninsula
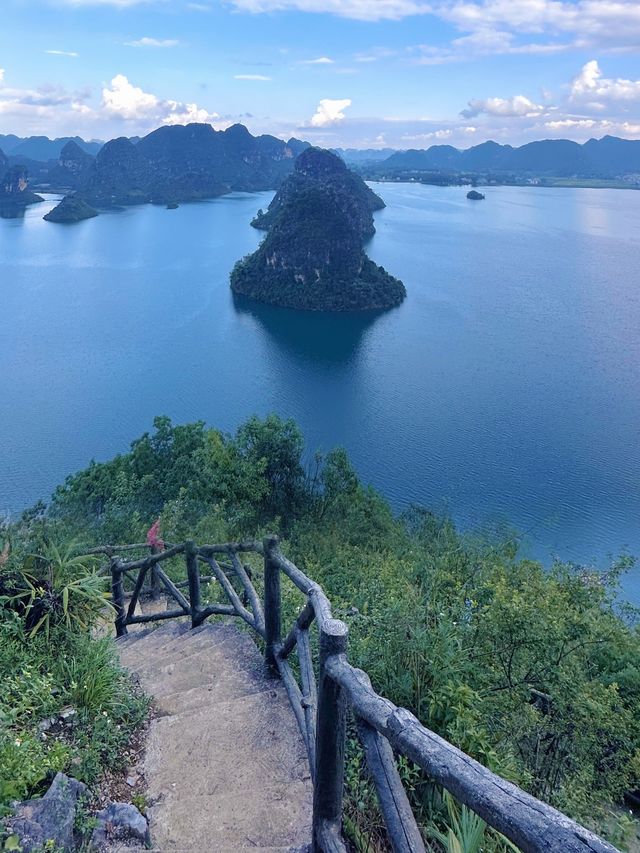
[[312, 257]]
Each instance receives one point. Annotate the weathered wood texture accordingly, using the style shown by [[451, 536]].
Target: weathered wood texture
[[330, 738], [531, 824], [320, 709], [401, 824], [272, 602]]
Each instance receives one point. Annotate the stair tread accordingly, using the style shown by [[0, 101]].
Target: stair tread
[[225, 765]]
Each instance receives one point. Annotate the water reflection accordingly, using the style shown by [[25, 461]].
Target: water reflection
[[318, 337], [11, 210]]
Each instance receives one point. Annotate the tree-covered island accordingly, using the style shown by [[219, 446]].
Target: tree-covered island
[[312, 257]]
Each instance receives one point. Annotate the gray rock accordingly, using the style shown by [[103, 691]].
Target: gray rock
[[119, 822], [49, 819], [68, 714]]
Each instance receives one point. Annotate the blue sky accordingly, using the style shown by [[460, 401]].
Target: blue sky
[[362, 73]]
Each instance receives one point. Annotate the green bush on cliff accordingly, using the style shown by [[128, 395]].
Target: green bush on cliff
[[531, 671]]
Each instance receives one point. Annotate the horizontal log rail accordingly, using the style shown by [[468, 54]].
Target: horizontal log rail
[[321, 697]]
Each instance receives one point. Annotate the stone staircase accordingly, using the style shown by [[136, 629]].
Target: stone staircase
[[225, 766]]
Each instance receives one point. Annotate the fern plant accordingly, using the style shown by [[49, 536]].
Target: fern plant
[[56, 587], [468, 833]]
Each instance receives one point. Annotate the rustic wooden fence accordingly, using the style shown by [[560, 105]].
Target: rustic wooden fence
[[321, 701]]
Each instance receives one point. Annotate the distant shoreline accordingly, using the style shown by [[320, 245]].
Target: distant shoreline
[[559, 183]]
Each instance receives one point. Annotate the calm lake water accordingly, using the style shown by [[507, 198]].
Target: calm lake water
[[506, 388]]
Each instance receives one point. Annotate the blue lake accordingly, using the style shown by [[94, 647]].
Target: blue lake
[[506, 388]]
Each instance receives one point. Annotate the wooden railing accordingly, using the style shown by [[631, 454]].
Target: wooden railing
[[321, 702]]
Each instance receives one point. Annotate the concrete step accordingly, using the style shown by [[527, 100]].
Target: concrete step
[[186, 642], [209, 737], [152, 638], [200, 668], [258, 818], [225, 765]]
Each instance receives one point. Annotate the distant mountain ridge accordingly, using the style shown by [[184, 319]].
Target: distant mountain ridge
[[607, 157], [174, 164], [42, 148], [358, 156], [182, 163]]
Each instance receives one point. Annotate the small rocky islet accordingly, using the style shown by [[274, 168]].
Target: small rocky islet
[[71, 209], [312, 257]]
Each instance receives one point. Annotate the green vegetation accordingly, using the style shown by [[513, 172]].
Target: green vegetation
[[312, 257], [71, 209], [66, 704], [534, 672]]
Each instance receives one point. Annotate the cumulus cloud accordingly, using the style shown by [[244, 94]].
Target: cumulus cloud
[[123, 100], [330, 111], [259, 77], [61, 52], [146, 41], [519, 105], [590, 87], [178, 113], [127, 101]]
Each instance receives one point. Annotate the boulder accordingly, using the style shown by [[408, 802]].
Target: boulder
[[49, 819], [119, 822]]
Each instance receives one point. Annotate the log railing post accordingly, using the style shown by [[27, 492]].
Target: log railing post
[[330, 744], [154, 580], [117, 596], [272, 602], [193, 575]]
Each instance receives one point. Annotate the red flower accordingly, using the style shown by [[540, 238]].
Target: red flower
[[153, 536]]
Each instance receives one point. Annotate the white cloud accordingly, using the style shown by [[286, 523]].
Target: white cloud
[[121, 99], [259, 77], [121, 4], [330, 112], [321, 60], [127, 101], [590, 21], [591, 87], [519, 105], [186, 114], [438, 135], [146, 41], [485, 41], [574, 123], [61, 52], [361, 10], [45, 109]]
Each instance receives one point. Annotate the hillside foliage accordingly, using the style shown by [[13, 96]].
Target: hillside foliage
[[533, 671]]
